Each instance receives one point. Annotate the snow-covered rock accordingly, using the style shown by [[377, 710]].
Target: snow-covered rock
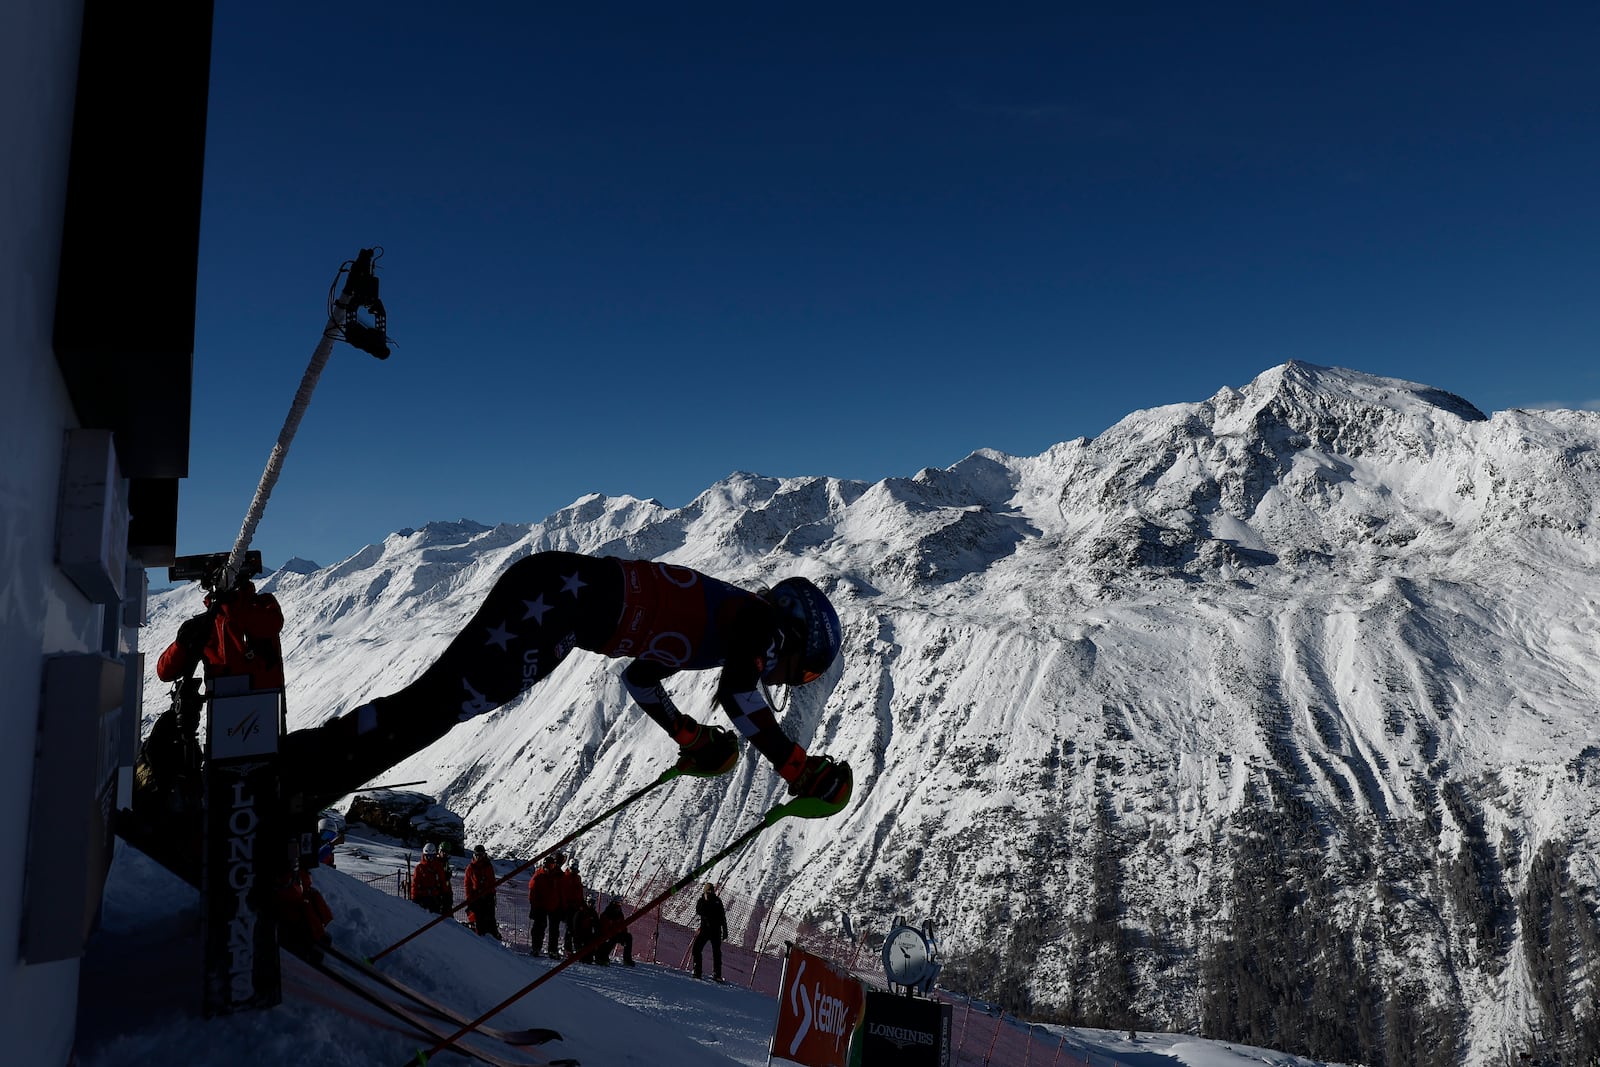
[[409, 817]]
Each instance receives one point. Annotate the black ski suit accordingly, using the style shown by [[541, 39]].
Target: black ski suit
[[666, 618]]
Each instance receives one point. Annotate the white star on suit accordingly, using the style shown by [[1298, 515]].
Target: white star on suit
[[536, 610], [500, 636], [572, 584]]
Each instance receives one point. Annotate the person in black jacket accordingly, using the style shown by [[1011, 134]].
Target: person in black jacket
[[584, 927], [613, 927], [713, 928]]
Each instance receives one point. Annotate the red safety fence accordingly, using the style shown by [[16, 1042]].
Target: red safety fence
[[753, 957]]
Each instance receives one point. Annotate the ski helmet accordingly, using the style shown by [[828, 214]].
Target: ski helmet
[[429, 849], [808, 619]]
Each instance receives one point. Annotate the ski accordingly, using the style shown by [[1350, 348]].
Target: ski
[[537, 1035], [431, 1028], [314, 987], [425, 1019], [800, 807]]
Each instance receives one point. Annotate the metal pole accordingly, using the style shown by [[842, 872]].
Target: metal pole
[[280, 450]]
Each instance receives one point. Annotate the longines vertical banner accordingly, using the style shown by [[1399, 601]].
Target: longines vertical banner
[[819, 1006], [902, 1031], [243, 848]]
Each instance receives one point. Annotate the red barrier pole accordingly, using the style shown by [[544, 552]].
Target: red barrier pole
[[655, 939], [637, 872], [987, 1056], [517, 902]]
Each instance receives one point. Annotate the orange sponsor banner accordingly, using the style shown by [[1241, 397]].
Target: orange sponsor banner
[[819, 1008]]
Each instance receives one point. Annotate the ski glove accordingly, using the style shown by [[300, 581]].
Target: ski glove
[[195, 634], [825, 784], [707, 751]]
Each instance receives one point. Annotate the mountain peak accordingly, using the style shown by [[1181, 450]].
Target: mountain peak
[[450, 532], [1316, 387]]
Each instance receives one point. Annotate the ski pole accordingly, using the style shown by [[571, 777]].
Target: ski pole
[[773, 816], [666, 776]]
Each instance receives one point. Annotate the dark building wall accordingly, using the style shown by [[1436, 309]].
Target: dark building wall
[[98, 251]]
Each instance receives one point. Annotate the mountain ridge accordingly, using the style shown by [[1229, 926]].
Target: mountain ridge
[[1338, 628]]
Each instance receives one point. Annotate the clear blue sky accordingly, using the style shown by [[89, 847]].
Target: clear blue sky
[[632, 248]]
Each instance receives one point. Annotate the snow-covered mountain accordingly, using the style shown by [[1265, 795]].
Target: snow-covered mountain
[[1269, 715]]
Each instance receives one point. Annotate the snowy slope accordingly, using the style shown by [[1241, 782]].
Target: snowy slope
[[139, 1002], [1330, 630], [141, 1005]]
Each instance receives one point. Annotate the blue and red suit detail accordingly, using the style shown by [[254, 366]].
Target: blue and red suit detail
[[664, 618]]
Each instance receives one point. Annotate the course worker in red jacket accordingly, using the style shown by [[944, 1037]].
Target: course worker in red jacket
[[544, 905], [478, 889], [236, 634], [430, 881], [571, 901]]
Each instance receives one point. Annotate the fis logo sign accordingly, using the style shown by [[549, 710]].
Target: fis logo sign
[[245, 726], [244, 731]]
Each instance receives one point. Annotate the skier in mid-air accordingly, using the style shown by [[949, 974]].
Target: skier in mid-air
[[663, 617]]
